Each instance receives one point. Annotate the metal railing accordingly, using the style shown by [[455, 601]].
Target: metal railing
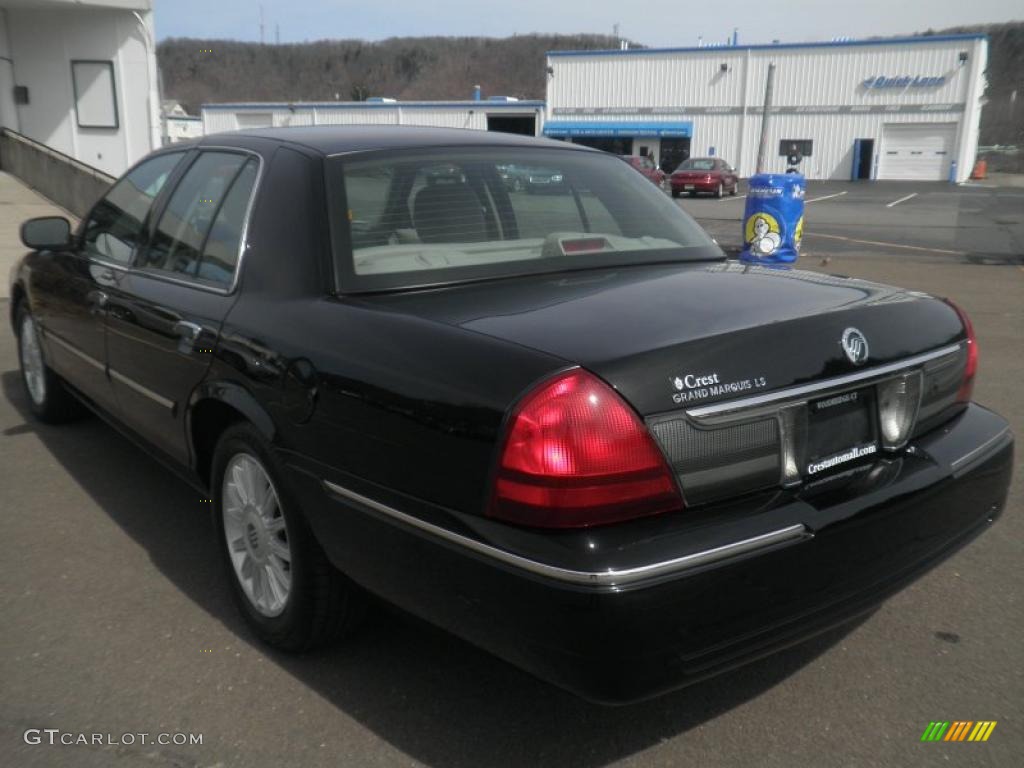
[[68, 182]]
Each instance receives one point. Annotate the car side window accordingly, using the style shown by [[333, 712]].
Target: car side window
[[114, 226], [223, 243], [188, 218]]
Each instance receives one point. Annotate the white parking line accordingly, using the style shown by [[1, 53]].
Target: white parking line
[[885, 245], [901, 200], [734, 197], [826, 197]]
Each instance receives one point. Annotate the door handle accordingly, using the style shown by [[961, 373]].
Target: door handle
[[187, 330]]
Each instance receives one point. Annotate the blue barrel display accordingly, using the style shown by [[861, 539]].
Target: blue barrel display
[[773, 223]]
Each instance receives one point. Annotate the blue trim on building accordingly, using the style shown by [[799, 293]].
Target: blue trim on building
[[646, 128], [719, 49], [484, 105]]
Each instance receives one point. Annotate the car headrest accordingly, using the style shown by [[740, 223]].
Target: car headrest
[[449, 213]]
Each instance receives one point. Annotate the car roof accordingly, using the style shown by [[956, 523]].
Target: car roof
[[335, 139]]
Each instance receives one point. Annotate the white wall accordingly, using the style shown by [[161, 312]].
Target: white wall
[[182, 128], [8, 111], [472, 115], [43, 42]]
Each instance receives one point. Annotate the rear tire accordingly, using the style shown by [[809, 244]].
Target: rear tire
[[675, 193], [47, 398], [283, 584]]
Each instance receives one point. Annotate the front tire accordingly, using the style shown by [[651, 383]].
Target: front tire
[[720, 191], [283, 584], [47, 398]]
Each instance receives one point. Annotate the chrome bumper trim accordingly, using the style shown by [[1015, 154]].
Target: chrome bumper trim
[[795, 393], [609, 578]]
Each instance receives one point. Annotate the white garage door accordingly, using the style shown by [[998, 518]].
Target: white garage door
[[920, 151], [254, 119]]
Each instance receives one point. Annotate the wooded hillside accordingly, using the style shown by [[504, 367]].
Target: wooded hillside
[[199, 71], [351, 70], [1002, 119]]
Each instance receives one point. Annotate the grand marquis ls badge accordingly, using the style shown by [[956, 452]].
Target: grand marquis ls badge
[[855, 346]]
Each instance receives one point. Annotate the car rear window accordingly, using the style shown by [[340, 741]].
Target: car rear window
[[423, 217], [698, 164]]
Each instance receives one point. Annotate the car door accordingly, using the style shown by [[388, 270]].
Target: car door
[[72, 290], [165, 316]]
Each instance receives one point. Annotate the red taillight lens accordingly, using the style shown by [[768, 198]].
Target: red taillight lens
[[971, 368], [576, 455]]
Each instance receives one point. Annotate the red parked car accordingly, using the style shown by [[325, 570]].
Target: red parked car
[[704, 174], [645, 165]]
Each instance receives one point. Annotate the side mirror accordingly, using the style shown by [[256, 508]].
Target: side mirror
[[47, 233]]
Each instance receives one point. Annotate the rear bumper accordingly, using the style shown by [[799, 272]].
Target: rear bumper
[[694, 186], [736, 588]]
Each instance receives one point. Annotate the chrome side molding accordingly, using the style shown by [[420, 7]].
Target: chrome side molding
[[144, 391], [609, 578], [71, 348]]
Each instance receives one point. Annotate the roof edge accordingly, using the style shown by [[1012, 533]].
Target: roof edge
[[482, 104], [719, 49]]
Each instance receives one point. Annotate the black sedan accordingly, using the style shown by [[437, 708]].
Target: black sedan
[[564, 428]]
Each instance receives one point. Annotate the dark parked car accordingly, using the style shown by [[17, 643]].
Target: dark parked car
[[711, 175], [645, 165], [572, 433]]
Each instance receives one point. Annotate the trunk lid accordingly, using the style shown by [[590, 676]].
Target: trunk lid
[[678, 336]]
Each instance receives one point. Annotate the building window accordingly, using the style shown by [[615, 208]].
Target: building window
[[803, 147], [95, 94]]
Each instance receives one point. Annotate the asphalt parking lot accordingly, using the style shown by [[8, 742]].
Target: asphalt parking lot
[[977, 223], [116, 617]]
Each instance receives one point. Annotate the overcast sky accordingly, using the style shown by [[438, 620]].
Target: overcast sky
[[653, 22]]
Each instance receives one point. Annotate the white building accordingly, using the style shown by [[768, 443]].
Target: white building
[[494, 114], [81, 77], [179, 125], [897, 108]]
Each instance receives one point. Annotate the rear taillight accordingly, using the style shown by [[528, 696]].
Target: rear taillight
[[971, 367], [576, 455]]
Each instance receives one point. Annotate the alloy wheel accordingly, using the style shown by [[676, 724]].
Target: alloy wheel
[[32, 366], [256, 535]]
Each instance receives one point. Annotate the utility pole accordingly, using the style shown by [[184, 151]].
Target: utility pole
[[261, 24], [277, 34], [762, 149]]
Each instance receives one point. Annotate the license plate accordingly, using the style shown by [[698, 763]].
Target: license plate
[[840, 431], [687, 186]]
